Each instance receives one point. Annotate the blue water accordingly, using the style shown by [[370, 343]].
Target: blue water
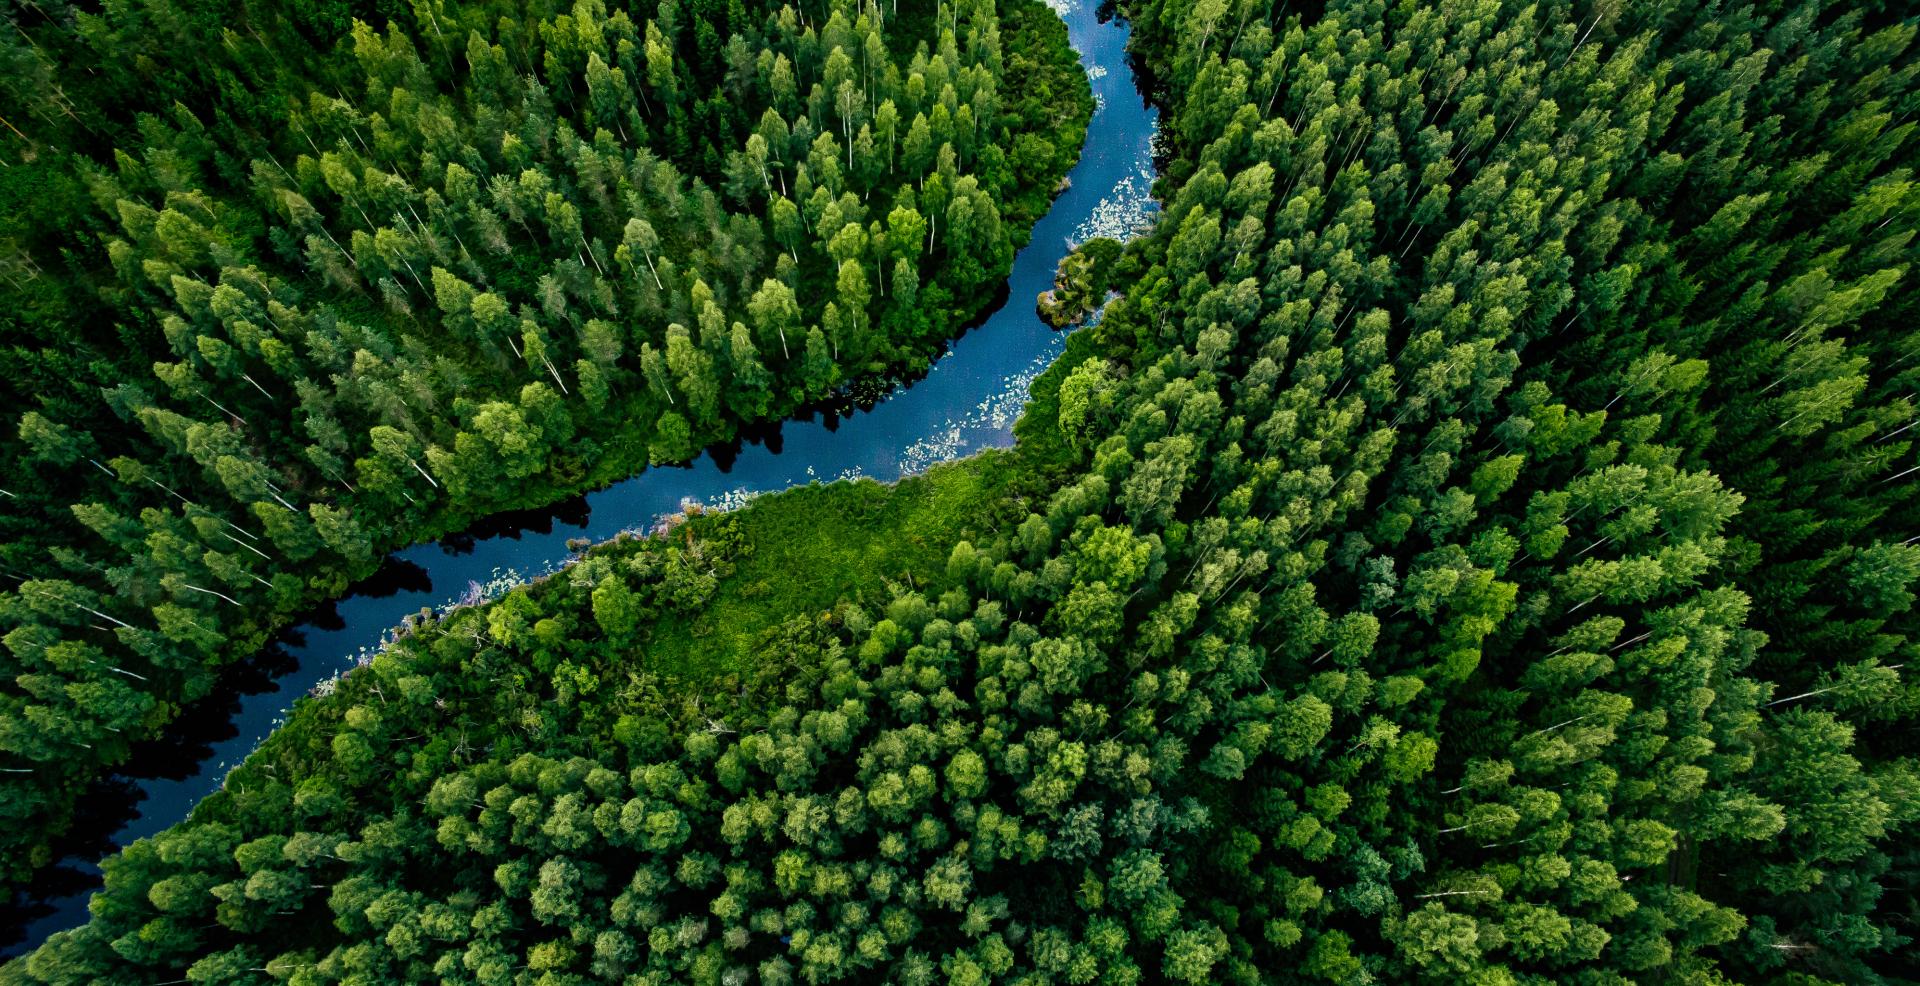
[[967, 402]]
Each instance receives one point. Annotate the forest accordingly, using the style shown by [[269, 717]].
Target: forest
[[1471, 537], [298, 328]]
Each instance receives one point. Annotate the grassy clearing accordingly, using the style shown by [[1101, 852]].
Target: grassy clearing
[[816, 546]]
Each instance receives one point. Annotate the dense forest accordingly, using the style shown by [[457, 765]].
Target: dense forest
[[1475, 542], [317, 303]]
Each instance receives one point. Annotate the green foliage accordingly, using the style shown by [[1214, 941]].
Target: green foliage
[[1082, 284], [450, 259], [1343, 615]]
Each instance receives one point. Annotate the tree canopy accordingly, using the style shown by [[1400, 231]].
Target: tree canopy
[[1475, 545], [276, 309]]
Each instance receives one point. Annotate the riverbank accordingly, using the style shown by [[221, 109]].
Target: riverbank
[[441, 698], [966, 403], [818, 546], [848, 539], [808, 553]]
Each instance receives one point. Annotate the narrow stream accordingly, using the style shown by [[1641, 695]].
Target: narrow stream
[[967, 402]]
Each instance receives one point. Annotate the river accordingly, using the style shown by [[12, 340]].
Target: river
[[966, 402]]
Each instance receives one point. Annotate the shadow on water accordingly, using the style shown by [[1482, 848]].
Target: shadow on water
[[884, 428], [515, 524]]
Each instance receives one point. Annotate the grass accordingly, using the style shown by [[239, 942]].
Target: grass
[[816, 546], [813, 547]]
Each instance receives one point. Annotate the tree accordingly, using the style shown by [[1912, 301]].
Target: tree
[[694, 370], [774, 310], [511, 443], [342, 533], [615, 608], [751, 392], [640, 238], [672, 440], [1151, 493], [1432, 938], [53, 443], [817, 369]]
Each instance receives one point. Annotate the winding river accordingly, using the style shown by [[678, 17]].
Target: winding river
[[967, 402]]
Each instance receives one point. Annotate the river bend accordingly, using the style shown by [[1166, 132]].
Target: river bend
[[966, 402]]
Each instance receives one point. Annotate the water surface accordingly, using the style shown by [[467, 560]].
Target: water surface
[[966, 402]]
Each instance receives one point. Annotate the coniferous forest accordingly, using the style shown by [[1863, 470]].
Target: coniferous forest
[[441, 269], [1471, 535]]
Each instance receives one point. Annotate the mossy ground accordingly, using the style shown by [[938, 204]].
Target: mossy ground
[[816, 546]]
